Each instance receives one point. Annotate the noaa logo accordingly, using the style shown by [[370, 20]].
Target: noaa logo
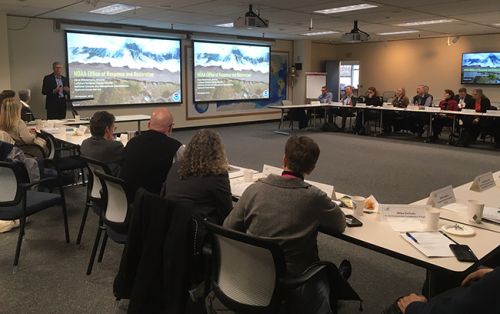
[[265, 93], [176, 96]]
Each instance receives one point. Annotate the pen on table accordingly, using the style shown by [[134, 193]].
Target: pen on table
[[411, 237], [448, 237]]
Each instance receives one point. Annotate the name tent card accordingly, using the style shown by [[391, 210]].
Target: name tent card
[[442, 197], [405, 211], [483, 182]]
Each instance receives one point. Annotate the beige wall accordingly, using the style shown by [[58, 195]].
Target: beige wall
[[408, 63], [37, 44], [4, 54]]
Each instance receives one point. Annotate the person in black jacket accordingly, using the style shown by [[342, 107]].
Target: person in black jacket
[[474, 125], [55, 87], [463, 99], [200, 180], [372, 99], [477, 294], [149, 156], [26, 113]]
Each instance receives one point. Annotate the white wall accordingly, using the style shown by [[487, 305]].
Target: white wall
[[36, 45], [407, 63]]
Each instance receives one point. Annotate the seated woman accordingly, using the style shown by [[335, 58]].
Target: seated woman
[[372, 99], [441, 119], [200, 179], [10, 122]]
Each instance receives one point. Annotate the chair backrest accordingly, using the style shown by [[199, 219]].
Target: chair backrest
[[286, 102], [114, 198], [5, 137], [94, 184], [10, 176], [51, 144], [247, 271]]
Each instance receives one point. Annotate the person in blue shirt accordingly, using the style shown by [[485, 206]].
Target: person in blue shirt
[[326, 96]]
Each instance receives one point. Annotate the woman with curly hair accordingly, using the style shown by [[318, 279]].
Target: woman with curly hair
[[200, 179]]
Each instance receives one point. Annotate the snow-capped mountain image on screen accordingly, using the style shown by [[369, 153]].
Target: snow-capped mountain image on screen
[[481, 68], [225, 71], [115, 69]]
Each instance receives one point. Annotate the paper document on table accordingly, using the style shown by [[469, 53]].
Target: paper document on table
[[455, 207], [491, 214], [405, 224], [431, 244], [238, 188], [328, 189]]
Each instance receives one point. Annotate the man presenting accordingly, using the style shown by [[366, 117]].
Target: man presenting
[[55, 88]]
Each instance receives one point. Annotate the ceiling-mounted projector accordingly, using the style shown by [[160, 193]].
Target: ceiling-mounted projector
[[355, 36], [250, 20]]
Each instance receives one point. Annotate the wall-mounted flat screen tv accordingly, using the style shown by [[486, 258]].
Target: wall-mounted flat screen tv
[[230, 71], [481, 68], [123, 69]]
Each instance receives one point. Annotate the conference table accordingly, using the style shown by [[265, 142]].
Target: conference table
[[86, 121], [430, 111], [377, 235]]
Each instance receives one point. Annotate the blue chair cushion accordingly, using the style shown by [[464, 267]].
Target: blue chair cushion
[[35, 202]]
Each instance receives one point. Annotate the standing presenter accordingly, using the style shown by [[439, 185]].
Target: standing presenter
[[55, 88]]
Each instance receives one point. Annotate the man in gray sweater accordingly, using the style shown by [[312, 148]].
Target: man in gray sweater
[[290, 211]]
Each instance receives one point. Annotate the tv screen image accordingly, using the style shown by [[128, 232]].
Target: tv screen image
[[120, 70], [225, 71], [481, 68]]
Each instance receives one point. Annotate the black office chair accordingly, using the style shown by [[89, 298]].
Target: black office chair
[[249, 273], [93, 191], [18, 201], [70, 163], [114, 215]]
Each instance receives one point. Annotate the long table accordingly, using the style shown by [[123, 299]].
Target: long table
[[118, 119], [377, 235], [431, 111]]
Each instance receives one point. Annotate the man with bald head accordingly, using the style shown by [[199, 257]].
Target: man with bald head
[[149, 156]]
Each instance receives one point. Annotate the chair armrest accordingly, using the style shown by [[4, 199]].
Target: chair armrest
[[295, 281], [31, 184]]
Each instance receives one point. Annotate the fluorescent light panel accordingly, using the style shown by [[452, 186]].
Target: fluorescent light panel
[[320, 33], [429, 22], [231, 24], [347, 8], [115, 9], [397, 33], [496, 24]]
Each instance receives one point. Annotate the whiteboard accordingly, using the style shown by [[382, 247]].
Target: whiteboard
[[314, 82]]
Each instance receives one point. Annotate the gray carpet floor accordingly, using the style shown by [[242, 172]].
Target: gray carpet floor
[[51, 276]]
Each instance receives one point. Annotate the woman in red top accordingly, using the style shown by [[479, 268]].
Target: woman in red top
[[442, 119]]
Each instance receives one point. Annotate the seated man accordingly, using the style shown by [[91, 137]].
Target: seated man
[[102, 146], [289, 211], [474, 125], [463, 99], [26, 113], [348, 100], [477, 294], [149, 156]]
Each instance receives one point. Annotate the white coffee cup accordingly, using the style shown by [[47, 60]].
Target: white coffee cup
[[248, 175], [77, 118], [358, 204], [432, 219], [124, 137], [475, 211], [130, 134]]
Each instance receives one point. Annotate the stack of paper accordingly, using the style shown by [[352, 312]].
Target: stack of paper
[[492, 214], [431, 244]]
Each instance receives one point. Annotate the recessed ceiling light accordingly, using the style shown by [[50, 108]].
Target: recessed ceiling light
[[397, 33], [347, 8], [320, 33], [429, 22], [496, 24], [115, 9], [226, 25]]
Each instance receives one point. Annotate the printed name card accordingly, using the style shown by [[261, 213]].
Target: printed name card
[[361, 105], [442, 197], [267, 170], [387, 105], [400, 210], [483, 182], [433, 109], [468, 110], [412, 107], [493, 112]]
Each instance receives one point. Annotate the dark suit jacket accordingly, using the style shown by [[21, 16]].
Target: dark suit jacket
[[49, 84], [209, 196], [147, 160], [26, 114], [108, 152], [469, 101], [479, 297]]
